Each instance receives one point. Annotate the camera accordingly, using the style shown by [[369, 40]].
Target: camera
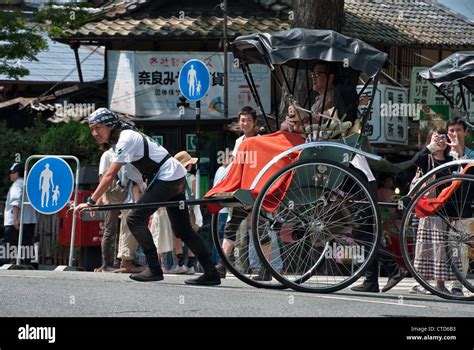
[[442, 137]]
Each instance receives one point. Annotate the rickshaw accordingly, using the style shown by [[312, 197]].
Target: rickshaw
[[445, 200], [315, 225]]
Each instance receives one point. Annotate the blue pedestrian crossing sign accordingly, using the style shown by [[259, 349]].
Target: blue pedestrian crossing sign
[[49, 185], [194, 80]]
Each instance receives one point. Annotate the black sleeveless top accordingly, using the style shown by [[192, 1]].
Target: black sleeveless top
[[147, 166]]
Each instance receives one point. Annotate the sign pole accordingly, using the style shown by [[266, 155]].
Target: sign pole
[[197, 195], [194, 82], [20, 234], [74, 218]]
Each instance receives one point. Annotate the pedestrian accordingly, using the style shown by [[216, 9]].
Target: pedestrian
[[128, 181], [430, 259], [13, 211], [196, 220], [457, 134], [166, 182]]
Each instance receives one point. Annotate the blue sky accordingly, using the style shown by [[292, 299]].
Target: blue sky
[[463, 7]]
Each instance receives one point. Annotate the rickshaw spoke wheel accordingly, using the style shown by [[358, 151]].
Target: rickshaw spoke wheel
[[243, 261], [437, 245], [326, 222]]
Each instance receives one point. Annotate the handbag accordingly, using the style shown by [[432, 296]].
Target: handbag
[[116, 193], [195, 215]]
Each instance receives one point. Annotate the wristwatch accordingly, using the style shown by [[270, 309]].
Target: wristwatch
[[90, 201]]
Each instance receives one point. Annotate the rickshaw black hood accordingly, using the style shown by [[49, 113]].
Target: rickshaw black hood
[[457, 67], [289, 46]]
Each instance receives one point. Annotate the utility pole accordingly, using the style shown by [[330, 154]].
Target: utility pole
[[226, 80], [226, 91]]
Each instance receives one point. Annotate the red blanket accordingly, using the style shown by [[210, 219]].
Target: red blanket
[[429, 206], [254, 153]]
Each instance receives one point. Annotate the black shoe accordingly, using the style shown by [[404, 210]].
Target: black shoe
[[221, 270], [365, 288], [393, 281], [148, 275], [263, 275], [206, 279]]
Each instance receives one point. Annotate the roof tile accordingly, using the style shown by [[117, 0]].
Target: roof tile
[[412, 24]]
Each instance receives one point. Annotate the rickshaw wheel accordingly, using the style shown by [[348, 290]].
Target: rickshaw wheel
[[451, 237], [326, 221], [240, 262]]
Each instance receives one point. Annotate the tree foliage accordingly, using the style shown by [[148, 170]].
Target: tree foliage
[[70, 138], [63, 139], [21, 39], [18, 41], [57, 19]]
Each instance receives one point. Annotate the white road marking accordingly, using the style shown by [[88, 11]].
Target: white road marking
[[369, 301]]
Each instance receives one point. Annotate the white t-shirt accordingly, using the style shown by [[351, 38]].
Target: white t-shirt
[[237, 145], [220, 175], [130, 148], [105, 161], [126, 174], [14, 200]]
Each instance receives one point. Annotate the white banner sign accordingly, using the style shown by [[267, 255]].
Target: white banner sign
[[146, 84], [388, 121]]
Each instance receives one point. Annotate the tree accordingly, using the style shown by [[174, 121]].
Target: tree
[[65, 138], [18, 41], [56, 19], [315, 14], [318, 14], [22, 40]]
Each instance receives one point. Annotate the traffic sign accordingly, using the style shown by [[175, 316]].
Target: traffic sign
[[194, 80], [49, 185]]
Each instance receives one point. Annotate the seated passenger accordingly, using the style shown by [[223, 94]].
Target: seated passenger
[[341, 100]]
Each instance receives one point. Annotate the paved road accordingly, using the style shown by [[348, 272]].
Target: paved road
[[73, 294]]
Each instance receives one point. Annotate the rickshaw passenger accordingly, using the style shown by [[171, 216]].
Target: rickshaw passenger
[[248, 125], [342, 95], [321, 76]]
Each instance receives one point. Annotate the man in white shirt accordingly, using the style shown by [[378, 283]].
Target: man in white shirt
[[248, 125], [13, 211], [166, 182]]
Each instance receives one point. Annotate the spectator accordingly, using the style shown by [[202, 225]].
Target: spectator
[[13, 211], [187, 161]]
